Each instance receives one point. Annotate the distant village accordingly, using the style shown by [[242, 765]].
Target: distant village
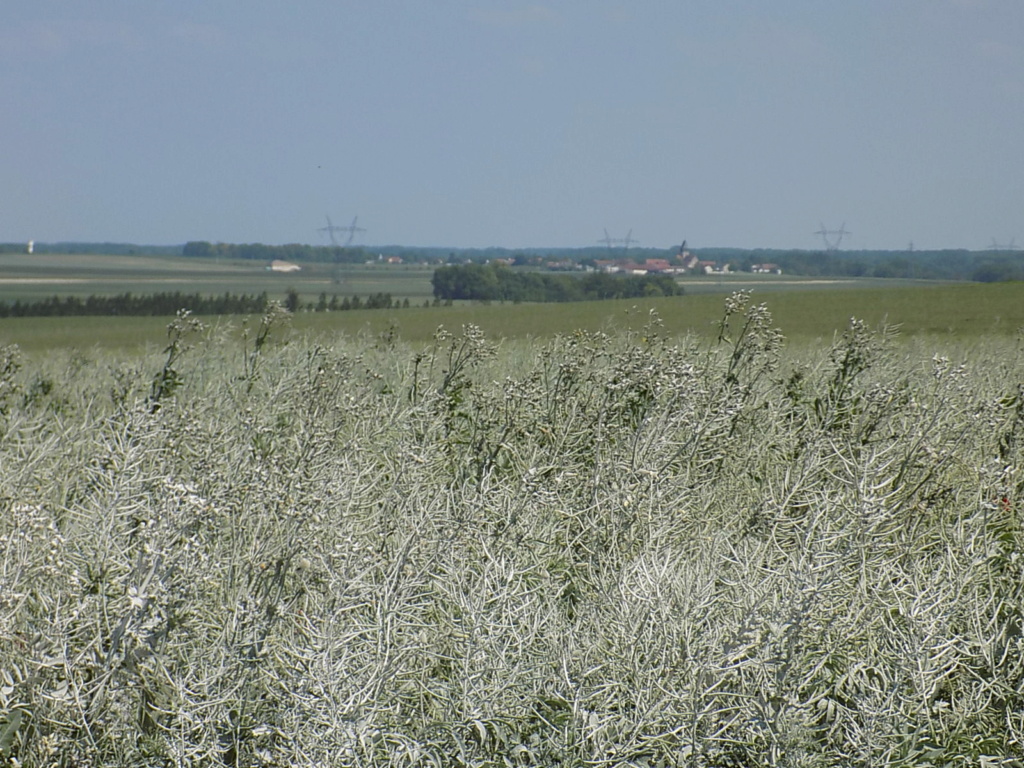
[[997, 263], [685, 263]]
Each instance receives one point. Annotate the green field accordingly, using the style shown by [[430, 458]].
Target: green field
[[953, 313], [961, 311], [32, 277], [804, 308]]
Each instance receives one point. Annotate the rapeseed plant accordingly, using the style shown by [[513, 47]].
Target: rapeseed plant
[[614, 549]]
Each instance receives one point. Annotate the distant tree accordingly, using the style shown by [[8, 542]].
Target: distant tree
[[491, 282], [996, 272], [199, 249]]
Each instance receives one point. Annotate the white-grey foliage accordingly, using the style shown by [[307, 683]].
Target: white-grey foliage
[[611, 549]]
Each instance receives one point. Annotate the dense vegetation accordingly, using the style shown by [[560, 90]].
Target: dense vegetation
[[979, 266], [498, 282], [119, 249], [295, 252], [611, 550], [153, 304], [168, 303]]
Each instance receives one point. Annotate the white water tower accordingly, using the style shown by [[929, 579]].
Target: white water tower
[[31, 245]]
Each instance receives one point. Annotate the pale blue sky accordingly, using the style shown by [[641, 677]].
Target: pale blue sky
[[514, 124]]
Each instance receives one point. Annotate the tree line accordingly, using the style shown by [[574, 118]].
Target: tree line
[[498, 282], [168, 303], [952, 264], [335, 304], [334, 254], [106, 249]]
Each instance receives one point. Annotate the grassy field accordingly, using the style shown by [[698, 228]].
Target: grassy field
[[962, 311], [33, 277], [805, 308], [955, 313]]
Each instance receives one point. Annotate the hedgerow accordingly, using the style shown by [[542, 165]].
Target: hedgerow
[[616, 549], [162, 304]]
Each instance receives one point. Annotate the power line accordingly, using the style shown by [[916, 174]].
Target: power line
[[330, 229], [623, 241], [833, 237], [1010, 246], [352, 229]]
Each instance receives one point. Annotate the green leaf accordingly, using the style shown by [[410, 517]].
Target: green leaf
[[10, 730]]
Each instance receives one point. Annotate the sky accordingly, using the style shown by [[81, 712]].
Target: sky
[[468, 124]]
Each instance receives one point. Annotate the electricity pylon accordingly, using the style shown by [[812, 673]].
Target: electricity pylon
[[833, 237]]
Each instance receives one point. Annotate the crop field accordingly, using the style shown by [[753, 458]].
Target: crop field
[[622, 545], [957, 312], [952, 313], [39, 276], [32, 277], [805, 308]]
